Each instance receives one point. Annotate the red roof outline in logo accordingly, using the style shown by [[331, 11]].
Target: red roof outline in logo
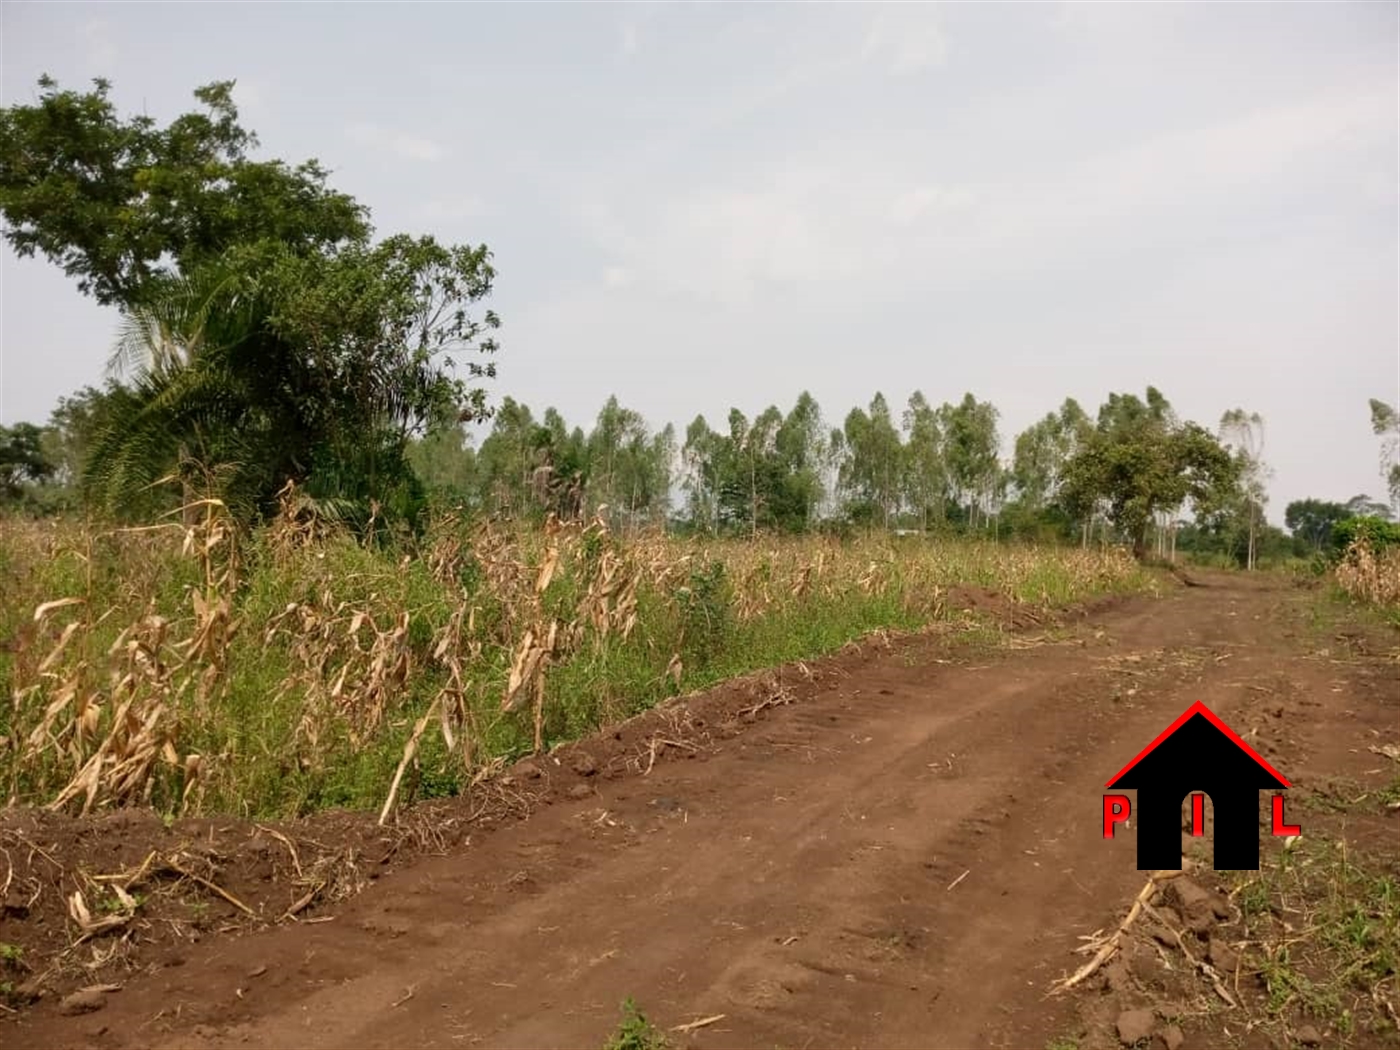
[[1199, 708]]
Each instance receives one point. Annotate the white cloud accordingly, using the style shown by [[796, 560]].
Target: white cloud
[[630, 38], [906, 39], [1236, 159], [813, 221], [874, 212], [409, 147], [922, 200], [617, 277], [1123, 23]]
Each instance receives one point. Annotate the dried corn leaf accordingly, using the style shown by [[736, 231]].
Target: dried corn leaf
[[546, 574], [59, 603]]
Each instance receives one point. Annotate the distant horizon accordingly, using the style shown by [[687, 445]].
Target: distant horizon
[[699, 206]]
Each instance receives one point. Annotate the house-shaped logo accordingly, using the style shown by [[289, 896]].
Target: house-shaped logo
[[1198, 754]]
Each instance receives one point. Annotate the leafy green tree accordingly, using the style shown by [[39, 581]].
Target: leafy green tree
[[629, 468], [971, 445], [926, 474], [23, 461], [1311, 520], [646, 477], [445, 462], [1140, 460], [72, 425], [1043, 449], [271, 366], [265, 338], [506, 460], [800, 447], [872, 473], [702, 467], [743, 495], [560, 476], [119, 203]]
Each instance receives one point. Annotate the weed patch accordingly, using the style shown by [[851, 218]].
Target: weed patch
[[635, 1032], [1321, 928]]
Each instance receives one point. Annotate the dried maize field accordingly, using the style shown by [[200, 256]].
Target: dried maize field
[[788, 792]]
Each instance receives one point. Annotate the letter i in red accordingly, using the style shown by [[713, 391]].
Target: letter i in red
[[1198, 815]]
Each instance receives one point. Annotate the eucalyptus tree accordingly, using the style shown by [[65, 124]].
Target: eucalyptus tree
[[872, 473], [1385, 422], [1243, 433], [972, 444], [700, 474], [926, 471]]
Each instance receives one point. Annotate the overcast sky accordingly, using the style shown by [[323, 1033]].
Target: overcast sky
[[699, 205]]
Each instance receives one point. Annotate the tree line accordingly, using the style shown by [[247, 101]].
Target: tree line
[[269, 335], [1131, 473]]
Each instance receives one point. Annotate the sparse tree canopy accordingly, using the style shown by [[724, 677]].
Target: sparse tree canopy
[[1385, 421], [1243, 433]]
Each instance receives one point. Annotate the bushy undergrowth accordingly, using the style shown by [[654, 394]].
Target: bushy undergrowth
[[194, 670]]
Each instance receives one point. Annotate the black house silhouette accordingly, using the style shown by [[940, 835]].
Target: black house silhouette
[[1198, 752]]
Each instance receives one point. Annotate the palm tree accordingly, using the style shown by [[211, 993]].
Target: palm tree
[[177, 415]]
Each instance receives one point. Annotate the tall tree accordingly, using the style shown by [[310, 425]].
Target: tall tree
[[618, 461], [1243, 432], [701, 474], [1311, 520], [506, 461], [1140, 460], [1385, 421], [926, 476], [445, 462], [873, 470], [119, 203], [266, 338], [1042, 450], [1363, 506], [800, 448], [972, 447]]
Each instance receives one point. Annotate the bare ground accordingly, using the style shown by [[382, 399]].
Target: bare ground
[[899, 846]]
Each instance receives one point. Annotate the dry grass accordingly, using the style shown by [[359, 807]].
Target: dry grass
[[1371, 577], [193, 670]]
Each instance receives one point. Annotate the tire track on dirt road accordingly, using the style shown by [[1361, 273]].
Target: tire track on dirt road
[[804, 881]]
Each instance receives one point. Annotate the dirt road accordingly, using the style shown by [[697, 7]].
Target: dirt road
[[904, 858]]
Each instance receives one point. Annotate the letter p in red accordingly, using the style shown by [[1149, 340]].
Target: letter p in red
[[1116, 809]]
